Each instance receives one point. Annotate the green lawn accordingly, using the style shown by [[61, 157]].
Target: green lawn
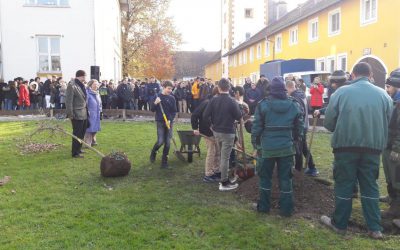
[[62, 203]]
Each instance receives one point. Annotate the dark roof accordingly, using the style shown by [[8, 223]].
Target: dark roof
[[191, 63], [302, 12], [215, 58]]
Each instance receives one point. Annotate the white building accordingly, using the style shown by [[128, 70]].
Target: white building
[[242, 19], [58, 37]]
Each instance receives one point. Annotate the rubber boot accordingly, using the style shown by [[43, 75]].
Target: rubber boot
[[393, 211], [153, 153]]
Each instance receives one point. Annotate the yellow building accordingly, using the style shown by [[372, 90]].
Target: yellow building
[[213, 69], [336, 33]]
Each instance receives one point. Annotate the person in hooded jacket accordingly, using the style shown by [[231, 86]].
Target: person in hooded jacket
[[24, 101], [302, 149], [278, 121]]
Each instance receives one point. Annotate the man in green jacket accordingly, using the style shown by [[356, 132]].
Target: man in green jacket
[[391, 155], [358, 115], [278, 122]]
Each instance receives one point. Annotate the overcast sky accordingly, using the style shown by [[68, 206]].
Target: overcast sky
[[199, 22]]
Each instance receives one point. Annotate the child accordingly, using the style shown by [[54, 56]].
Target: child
[[223, 111], [164, 134]]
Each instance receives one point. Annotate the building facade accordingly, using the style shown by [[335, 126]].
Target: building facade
[[58, 37], [336, 33]]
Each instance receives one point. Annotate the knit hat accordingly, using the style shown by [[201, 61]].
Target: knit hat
[[277, 88], [394, 78], [338, 76]]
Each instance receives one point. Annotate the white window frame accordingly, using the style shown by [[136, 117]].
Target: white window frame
[[318, 61], [310, 30], [240, 58], [371, 20], [267, 48], [330, 15], [245, 56], [34, 3], [294, 35], [259, 48], [251, 13], [251, 54], [328, 63], [339, 65], [49, 54], [278, 49], [235, 60]]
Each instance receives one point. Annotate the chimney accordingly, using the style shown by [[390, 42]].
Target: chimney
[[281, 9]]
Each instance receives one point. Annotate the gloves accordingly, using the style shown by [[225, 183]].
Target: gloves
[[394, 156]]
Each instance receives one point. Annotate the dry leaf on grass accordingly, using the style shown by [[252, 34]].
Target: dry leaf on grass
[[5, 180]]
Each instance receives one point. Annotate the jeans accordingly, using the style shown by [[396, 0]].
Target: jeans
[[225, 143], [126, 105], [8, 104], [299, 156], [164, 136]]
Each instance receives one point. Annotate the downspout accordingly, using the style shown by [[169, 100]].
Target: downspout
[[94, 33], [1, 46]]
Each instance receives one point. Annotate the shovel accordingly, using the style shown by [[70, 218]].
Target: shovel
[[177, 153], [311, 141], [246, 172]]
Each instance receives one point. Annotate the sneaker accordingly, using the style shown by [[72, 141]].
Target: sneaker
[[313, 172], [325, 220], [210, 179], [226, 186], [376, 235]]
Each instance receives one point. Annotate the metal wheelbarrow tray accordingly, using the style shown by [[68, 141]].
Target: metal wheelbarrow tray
[[189, 143]]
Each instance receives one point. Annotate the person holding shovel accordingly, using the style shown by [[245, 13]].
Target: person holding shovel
[[164, 104], [278, 121], [358, 115]]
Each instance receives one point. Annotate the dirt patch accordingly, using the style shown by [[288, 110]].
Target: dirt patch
[[312, 199], [33, 147]]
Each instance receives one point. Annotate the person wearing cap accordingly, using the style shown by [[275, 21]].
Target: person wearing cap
[[358, 115], [278, 121], [391, 154], [263, 86], [76, 107]]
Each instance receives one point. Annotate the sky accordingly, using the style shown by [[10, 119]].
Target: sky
[[199, 22]]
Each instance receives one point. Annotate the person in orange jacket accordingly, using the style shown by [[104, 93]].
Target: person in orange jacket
[[196, 93], [23, 99]]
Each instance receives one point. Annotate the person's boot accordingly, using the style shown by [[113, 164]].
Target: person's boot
[[393, 211], [153, 154], [164, 162]]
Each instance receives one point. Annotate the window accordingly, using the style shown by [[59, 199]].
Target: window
[[251, 54], [248, 35], [321, 64], [342, 62], [331, 64], [293, 36], [240, 58], [278, 43], [245, 57], [57, 3], [267, 49], [313, 30], [369, 11], [49, 54], [248, 13], [334, 22], [254, 77], [259, 51], [234, 60]]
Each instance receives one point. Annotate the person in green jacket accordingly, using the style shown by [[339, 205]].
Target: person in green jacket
[[391, 154], [358, 115], [278, 122]]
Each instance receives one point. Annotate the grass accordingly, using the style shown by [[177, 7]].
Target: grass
[[62, 203]]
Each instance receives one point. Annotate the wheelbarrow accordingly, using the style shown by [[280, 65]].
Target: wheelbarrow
[[190, 143]]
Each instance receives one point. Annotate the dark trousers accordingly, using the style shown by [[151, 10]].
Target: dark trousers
[[303, 150], [142, 105], [78, 129], [348, 168], [164, 136]]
